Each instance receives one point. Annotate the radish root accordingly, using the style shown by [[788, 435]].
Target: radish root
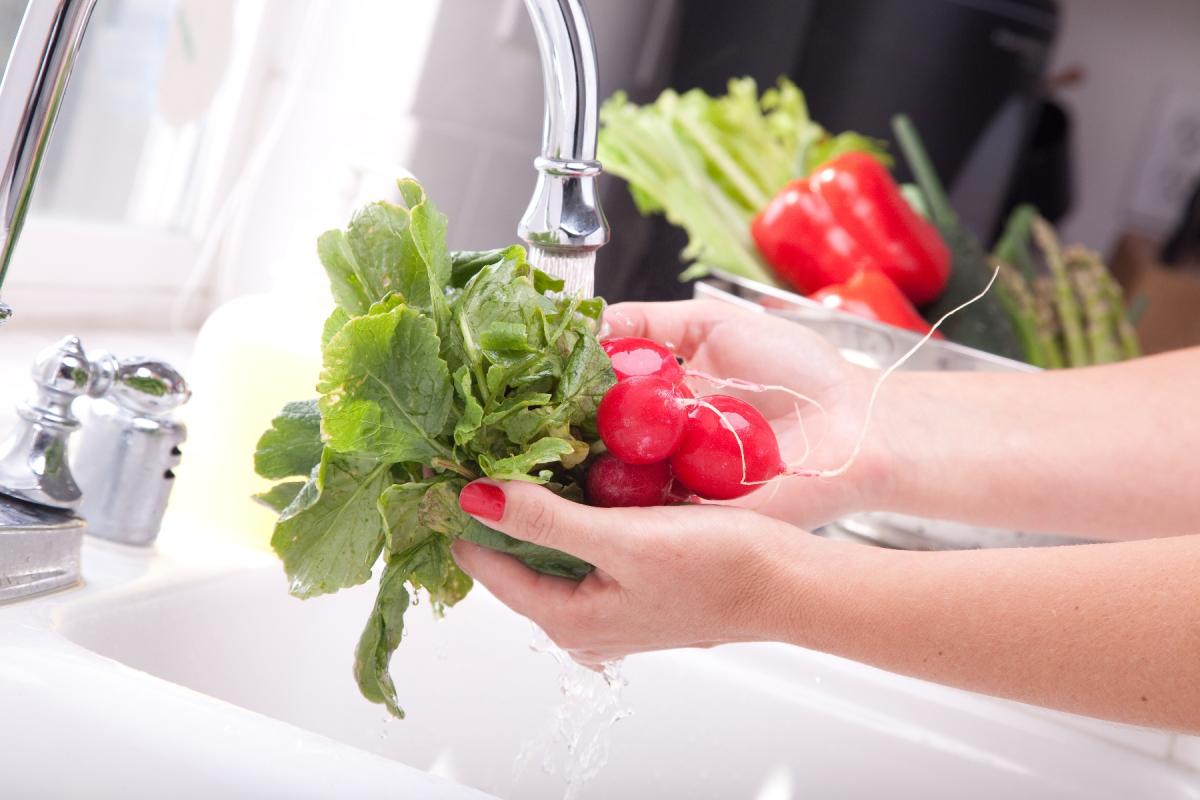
[[887, 373]]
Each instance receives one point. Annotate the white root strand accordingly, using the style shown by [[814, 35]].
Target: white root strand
[[750, 386], [862, 435]]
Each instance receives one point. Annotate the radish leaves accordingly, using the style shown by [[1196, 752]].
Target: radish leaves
[[438, 368]]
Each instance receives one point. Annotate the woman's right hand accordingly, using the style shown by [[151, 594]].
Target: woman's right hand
[[724, 341]]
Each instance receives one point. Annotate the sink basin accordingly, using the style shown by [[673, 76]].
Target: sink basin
[[196, 671]]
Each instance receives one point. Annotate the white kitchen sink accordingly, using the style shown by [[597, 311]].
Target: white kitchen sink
[[188, 672], [192, 673]]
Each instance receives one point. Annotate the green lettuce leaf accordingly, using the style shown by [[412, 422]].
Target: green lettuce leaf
[[292, 446]]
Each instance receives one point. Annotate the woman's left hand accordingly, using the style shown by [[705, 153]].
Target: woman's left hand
[[665, 577]]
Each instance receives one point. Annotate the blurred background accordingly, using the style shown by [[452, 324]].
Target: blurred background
[[204, 144]]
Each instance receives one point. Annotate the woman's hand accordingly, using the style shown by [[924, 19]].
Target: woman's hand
[[692, 576], [724, 341]]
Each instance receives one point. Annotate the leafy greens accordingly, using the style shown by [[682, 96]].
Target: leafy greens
[[438, 368], [709, 164]]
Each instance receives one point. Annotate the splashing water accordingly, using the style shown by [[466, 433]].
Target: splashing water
[[576, 738], [577, 270]]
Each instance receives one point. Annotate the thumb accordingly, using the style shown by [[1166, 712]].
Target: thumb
[[535, 514]]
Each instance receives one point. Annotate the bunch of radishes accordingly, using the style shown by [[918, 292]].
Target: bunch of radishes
[[666, 445]]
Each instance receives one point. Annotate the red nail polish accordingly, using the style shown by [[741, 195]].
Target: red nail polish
[[482, 500]]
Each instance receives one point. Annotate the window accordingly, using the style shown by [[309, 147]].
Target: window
[[149, 139]]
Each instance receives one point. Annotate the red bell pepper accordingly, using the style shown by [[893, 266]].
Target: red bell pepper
[[845, 218], [873, 295]]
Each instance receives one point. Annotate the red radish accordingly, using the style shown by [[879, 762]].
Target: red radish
[[632, 356], [611, 483], [727, 452], [641, 419]]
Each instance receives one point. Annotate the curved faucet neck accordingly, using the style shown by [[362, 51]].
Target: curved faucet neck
[[31, 92], [569, 76]]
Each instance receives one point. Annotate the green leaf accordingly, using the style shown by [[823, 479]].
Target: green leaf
[[438, 509], [512, 336], [531, 424], [350, 286], [588, 374], [433, 569], [472, 413], [465, 264], [543, 451], [542, 559], [437, 368], [381, 636], [500, 294], [515, 403], [441, 512], [427, 564], [399, 506], [280, 496], [388, 248], [331, 534], [385, 391], [544, 282], [333, 324], [592, 308], [292, 445]]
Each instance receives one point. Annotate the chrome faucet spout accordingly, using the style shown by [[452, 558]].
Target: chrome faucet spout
[[564, 224], [31, 92]]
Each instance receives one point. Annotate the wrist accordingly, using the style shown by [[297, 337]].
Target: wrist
[[903, 443], [818, 589]]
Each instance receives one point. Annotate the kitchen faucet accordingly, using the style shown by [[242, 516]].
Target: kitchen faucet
[[129, 447]]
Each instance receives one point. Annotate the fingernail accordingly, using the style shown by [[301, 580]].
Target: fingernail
[[480, 499]]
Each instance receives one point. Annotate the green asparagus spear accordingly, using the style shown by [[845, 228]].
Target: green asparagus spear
[[1013, 247], [1099, 325], [1014, 294], [1043, 300], [1064, 298]]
